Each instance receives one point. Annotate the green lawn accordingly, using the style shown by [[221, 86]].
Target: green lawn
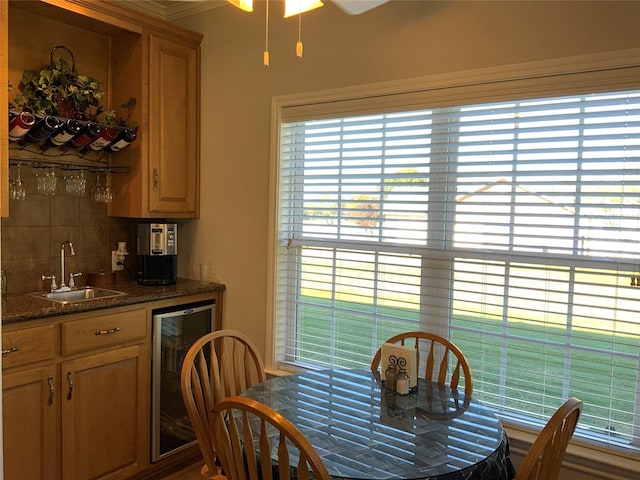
[[531, 358]]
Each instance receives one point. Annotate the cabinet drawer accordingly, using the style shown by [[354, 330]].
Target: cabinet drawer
[[28, 345], [103, 331]]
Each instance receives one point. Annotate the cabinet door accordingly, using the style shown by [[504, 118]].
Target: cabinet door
[[173, 127], [104, 407], [4, 109], [30, 405]]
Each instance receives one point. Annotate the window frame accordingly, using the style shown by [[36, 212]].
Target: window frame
[[576, 75]]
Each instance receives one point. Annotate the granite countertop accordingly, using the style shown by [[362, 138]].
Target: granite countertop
[[23, 307]]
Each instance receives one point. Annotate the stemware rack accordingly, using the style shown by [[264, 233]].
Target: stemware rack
[[70, 181]]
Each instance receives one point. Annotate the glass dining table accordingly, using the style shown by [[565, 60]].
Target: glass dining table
[[362, 430]]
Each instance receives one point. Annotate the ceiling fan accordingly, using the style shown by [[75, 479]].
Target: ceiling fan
[[356, 7], [351, 7]]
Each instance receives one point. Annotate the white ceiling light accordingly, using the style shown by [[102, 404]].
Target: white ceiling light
[[296, 7], [246, 5]]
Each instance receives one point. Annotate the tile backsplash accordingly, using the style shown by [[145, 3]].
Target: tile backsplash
[[31, 236]]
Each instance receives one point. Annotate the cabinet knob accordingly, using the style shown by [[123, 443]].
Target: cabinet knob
[[155, 179]]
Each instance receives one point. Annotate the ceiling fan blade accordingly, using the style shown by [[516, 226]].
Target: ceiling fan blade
[[356, 7]]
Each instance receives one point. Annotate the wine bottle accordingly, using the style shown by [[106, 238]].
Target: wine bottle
[[20, 125], [89, 133], [69, 129], [106, 136], [126, 137], [42, 130]]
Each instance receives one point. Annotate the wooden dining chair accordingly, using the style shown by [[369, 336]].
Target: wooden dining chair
[[440, 354], [220, 364], [544, 459], [240, 422]]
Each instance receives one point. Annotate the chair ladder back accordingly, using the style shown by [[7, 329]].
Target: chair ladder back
[[266, 422], [215, 380], [247, 364], [225, 351], [544, 459], [428, 373], [214, 368], [266, 471], [455, 376], [231, 447], [444, 365], [557, 448], [200, 399], [303, 471], [249, 453], [431, 361], [200, 426], [284, 470], [460, 368]]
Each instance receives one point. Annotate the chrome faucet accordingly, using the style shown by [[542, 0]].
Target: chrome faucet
[[62, 263]]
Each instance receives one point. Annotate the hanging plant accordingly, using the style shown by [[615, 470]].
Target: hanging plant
[[61, 90]]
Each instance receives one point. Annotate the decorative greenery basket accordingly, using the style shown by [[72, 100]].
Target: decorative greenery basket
[[60, 90]]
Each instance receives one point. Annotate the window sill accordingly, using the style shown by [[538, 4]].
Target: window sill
[[581, 461]]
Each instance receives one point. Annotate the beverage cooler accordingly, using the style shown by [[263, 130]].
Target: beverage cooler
[[175, 329]]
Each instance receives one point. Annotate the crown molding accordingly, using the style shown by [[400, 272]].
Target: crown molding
[[172, 10]]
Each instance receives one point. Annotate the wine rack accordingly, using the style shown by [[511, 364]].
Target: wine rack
[[24, 151]]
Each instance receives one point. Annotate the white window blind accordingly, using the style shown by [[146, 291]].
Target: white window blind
[[512, 228]]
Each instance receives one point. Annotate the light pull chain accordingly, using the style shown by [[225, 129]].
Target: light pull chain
[[299, 44], [265, 57]]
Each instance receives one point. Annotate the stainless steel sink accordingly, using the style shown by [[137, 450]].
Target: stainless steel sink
[[82, 294]]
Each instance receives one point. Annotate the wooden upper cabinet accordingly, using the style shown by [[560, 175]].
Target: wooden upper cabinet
[[173, 105], [166, 181], [4, 109], [133, 55]]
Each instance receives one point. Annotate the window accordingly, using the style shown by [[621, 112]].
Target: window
[[511, 227]]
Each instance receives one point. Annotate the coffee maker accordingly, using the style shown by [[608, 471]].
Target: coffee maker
[[157, 249]]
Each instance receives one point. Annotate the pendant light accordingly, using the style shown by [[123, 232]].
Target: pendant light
[[246, 5], [296, 7], [291, 8]]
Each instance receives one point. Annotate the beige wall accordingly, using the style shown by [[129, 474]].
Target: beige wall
[[400, 39]]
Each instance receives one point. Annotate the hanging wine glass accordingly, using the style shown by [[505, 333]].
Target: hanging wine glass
[[108, 191], [51, 182], [75, 183], [17, 190], [82, 184], [69, 183], [41, 181], [98, 190]]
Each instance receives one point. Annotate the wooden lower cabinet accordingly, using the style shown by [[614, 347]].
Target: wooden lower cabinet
[[83, 414], [102, 409], [30, 413]]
